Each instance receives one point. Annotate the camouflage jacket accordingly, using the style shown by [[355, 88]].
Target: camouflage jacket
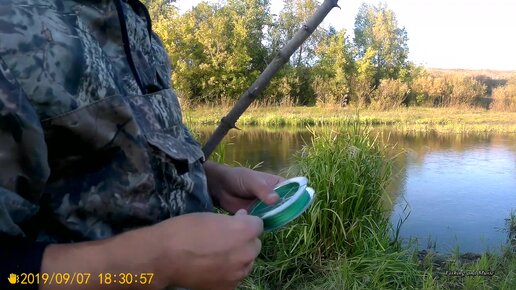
[[91, 135]]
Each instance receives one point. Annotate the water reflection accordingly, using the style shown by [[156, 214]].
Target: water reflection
[[274, 149], [459, 188]]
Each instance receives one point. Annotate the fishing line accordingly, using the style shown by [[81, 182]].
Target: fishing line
[[295, 198]]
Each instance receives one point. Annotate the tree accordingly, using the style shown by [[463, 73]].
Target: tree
[[334, 70], [159, 8], [364, 79], [254, 17], [297, 76], [377, 33], [293, 14], [216, 50]]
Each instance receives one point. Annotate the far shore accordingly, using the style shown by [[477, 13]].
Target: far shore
[[418, 119]]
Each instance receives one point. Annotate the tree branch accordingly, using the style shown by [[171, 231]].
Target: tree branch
[[229, 121]]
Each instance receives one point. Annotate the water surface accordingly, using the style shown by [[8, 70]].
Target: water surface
[[456, 189]]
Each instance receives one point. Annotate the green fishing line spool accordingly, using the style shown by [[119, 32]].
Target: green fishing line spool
[[295, 198]]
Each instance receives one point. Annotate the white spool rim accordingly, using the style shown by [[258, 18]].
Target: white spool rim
[[302, 183]]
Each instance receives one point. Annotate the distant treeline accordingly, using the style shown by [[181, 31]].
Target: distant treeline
[[218, 49]]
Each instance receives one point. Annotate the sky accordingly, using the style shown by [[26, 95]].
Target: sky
[[450, 34]]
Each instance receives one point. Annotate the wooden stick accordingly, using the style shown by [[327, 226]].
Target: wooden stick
[[228, 122]]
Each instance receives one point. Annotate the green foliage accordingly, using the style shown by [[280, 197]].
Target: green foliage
[[381, 57], [290, 87], [218, 49], [364, 81], [334, 70], [158, 9], [215, 50], [379, 39], [288, 22], [293, 85], [430, 90]]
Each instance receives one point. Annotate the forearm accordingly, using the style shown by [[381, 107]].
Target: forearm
[[132, 252]]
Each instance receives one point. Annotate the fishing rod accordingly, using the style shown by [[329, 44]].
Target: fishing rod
[[229, 121]]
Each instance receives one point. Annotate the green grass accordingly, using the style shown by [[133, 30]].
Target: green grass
[[396, 271], [345, 240], [347, 221], [403, 119]]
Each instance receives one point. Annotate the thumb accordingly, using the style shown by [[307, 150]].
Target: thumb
[[241, 212], [262, 190]]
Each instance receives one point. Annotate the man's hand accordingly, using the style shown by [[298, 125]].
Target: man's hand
[[235, 188], [210, 251], [198, 251]]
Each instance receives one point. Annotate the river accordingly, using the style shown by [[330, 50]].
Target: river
[[452, 190]]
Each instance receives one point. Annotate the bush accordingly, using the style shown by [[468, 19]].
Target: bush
[[504, 98], [465, 91], [390, 94], [429, 90], [445, 91], [349, 172], [330, 91]]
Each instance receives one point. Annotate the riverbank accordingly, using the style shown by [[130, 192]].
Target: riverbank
[[345, 240], [404, 119]]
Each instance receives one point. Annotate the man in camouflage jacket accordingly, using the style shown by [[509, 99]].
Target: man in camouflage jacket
[[98, 173]]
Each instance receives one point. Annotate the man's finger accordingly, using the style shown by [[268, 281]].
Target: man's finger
[[252, 223], [241, 212], [255, 225], [271, 198], [263, 191]]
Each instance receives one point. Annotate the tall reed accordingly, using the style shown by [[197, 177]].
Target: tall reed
[[345, 240], [350, 172]]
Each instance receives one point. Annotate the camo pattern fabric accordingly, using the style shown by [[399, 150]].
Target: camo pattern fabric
[[89, 146]]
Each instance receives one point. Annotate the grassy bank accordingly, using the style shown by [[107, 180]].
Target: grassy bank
[[409, 119], [345, 240]]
